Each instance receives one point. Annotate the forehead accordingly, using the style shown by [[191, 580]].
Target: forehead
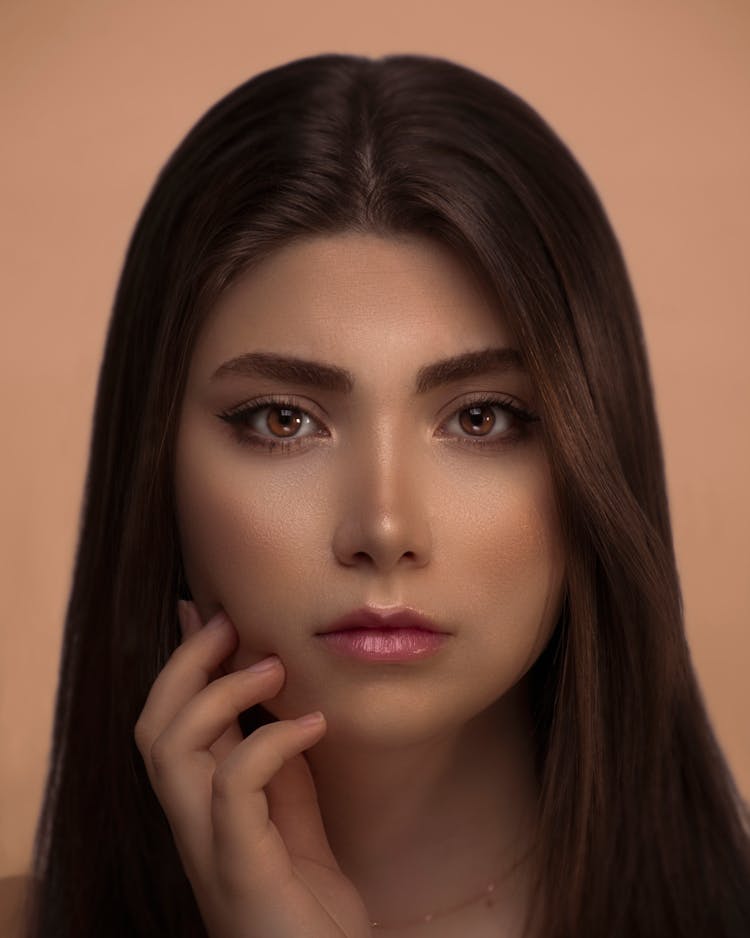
[[350, 295]]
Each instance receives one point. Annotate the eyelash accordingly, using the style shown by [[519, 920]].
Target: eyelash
[[241, 416]]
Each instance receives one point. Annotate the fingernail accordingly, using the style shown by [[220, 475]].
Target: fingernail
[[181, 615], [265, 665], [217, 621], [310, 719]]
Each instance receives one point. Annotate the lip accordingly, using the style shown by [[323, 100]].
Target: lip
[[393, 633], [384, 645], [372, 617]]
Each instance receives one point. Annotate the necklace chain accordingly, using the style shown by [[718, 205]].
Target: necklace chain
[[486, 894], [426, 919]]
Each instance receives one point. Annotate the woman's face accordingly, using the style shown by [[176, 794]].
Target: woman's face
[[383, 494]]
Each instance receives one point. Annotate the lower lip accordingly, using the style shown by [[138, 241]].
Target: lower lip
[[385, 644]]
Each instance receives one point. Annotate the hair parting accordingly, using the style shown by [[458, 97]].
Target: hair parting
[[642, 832]]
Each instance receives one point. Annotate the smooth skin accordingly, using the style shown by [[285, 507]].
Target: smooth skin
[[243, 812], [420, 785]]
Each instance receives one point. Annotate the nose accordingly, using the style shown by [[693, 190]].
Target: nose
[[382, 516]]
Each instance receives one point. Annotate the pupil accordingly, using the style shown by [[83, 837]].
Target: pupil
[[476, 416], [284, 419], [480, 418]]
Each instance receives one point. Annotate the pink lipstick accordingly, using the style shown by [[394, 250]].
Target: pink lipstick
[[379, 635]]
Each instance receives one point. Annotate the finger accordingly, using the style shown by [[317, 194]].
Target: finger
[[294, 809], [245, 839], [207, 715], [226, 743], [190, 624], [185, 674], [181, 766]]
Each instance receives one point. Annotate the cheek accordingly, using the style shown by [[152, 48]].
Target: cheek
[[260, 547], [508, 565], [245, 544]]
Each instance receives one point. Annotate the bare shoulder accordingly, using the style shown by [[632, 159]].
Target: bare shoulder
[[12, 893]]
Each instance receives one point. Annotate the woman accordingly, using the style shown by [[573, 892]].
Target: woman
[[375, 362]]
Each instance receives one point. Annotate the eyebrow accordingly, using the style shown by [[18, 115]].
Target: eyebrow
[[332, 378]]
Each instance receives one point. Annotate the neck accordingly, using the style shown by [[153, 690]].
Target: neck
[[459, 808]]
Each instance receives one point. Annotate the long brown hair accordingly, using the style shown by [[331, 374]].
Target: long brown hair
[[642, 832]]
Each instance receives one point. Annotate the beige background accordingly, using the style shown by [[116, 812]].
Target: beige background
[[652, 97]]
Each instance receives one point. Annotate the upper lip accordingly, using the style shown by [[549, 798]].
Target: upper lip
[[369, 617]]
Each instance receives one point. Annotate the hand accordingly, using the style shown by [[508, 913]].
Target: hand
[[243, 812]]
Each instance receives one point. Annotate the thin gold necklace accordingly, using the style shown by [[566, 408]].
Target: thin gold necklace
[[486, 894]]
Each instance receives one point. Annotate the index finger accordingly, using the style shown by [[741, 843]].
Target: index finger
[[187, 672]]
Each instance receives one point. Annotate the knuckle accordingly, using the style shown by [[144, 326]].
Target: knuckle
[[263, 744], [141, 736], [224, 784], [160, 754], [230, 778], [262, 736], [179, 652]]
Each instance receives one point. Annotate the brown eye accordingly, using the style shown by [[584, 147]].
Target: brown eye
[[277, 425], [283, 421], [478, 421], [489, 421]]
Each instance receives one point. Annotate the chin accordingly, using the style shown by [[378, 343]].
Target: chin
[[390, 722]]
